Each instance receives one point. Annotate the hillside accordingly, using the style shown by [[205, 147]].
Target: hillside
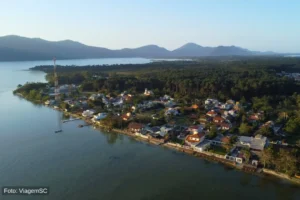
[[16, 48]]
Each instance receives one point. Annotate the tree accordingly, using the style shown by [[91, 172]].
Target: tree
[[245, 129], [212, 132], [91, 104], [267, 156], [233, 139], [244, 119], [286, 162], [32, 94], [293, 125], [247, 154], [266, 131]]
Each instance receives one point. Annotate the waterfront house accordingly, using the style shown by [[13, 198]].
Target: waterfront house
[[152, 130], [100, 116], [135, 127], [202, 146], [164, 130], [194, 139], [88, 113], [257, 143], [50, 102]]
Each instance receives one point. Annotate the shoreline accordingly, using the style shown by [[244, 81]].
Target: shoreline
[[261, 172]]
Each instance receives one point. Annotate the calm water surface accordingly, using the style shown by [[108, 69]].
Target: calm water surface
[[88, 164]]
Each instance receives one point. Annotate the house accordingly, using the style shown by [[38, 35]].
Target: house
[[88, 113], [171, 111], [202, 146], [232, 112], [257, 143], [49, 102], [255, 117], [126, 116], [211, 101], [127, 97], [148, 92], [152, 130], [211, 113], [226, 106], [218, 119], [100, 116], [164, 130], [117, 102], [195, 129], [203, 119], [195, 106], [237, 106], [94, 97], [135, 127], [269, 124], [169, 104], [225, 126], [230, 101], [225, 140], [194, 139], [277, 128]]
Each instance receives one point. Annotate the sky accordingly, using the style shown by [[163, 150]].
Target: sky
[[263, 25]]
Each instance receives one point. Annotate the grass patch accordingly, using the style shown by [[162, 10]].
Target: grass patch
[[218, 150]]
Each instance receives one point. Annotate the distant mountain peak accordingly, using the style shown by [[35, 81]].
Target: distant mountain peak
[[190, 45]]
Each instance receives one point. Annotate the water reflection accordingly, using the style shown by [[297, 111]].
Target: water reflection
[[245, 179], [111, 137]]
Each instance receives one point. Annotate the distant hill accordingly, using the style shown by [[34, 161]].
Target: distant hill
[[17, 48]]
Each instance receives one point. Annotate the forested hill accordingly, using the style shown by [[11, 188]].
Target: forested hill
[[16, 48], [222, 79]]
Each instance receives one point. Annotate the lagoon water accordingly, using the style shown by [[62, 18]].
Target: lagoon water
[[83, 163]]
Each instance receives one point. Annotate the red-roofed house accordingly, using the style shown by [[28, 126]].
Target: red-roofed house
[[212, 113], [218, 119], [194, 139], [135, 127], [225, 126]]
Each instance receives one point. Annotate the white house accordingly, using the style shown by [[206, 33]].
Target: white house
[[255, 143], [88, 113], [100, 116], [148, 92]]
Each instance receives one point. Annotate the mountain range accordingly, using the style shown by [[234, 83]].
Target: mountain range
[[17, 48]]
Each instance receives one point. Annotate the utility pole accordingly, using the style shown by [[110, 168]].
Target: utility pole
[[57, 95], [56, 90]]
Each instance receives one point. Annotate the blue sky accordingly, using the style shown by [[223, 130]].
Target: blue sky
[[254, 24]]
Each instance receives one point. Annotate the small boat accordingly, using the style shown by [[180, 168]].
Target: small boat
[[80, 126], [58, 131]]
